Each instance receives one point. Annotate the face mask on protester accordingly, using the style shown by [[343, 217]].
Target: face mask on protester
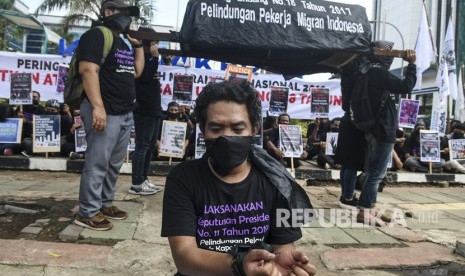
[[35, 102], [457, 135], [334, 129], [118, 22], [173, 115], [228, 152]]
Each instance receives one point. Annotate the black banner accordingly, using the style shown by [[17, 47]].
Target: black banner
[[273, 33]]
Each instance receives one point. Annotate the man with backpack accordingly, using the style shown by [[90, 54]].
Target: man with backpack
[[106, 110], [381, 135]]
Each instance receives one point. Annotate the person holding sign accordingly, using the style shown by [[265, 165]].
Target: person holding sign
[[229, 199], [106, 112], [147, 116]]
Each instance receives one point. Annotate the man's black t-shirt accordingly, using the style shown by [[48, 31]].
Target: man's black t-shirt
[[116, 75], [198, 204]]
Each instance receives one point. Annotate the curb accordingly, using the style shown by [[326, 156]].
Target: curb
[[162, 168]]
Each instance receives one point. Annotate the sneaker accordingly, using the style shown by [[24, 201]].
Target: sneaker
[[348, 204], [153, 186], [113, 213], [97, 222], [142, 189], [24, 153]]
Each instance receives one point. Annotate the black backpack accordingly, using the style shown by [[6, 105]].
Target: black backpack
[[362, 113], [74, 88]]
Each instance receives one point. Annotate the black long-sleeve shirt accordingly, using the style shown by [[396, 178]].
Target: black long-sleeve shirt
[[148, 98]]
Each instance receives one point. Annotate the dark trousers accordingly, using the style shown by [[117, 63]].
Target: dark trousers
[[146, 138]]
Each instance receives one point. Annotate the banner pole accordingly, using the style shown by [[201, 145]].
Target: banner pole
[[430, 167], [292, 164], [127, 156], [169, 161]]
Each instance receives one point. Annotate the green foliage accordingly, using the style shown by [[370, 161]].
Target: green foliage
[[303, 124]]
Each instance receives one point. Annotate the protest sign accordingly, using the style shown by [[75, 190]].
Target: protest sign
[[429, 146], [46, 134], [408, 113], [80, 135], [173, 136], [457, 149], [62, 77], [279, 97], [438, 121], [132, 139], [331, 143], [320, 102], [238, 73], [290, 140], [20, 88], [199, 143], [182, 89], [10, 131]]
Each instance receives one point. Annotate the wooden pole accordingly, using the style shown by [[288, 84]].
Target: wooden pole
[[46, 155], [292, 164], [430, 167], [169, 161], [127, 156]]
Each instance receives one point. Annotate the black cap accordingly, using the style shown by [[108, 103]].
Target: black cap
[[121, 4]]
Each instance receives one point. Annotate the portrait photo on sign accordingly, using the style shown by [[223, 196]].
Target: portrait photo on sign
[[408, 112], [430, 148], [320, 102]]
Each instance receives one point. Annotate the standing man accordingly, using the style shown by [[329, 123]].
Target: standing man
[[147, 116], [381, 137], [228, 201], [106, 111]]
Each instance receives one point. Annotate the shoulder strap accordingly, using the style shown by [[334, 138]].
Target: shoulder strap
[[108, 37]]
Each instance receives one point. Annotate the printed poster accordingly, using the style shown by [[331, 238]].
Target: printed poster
[[290, 140], [457, 149], [238, 73], [80, 135], [438, 122], [319, 106], [279, 98], [132, 139], [10, 131], [46, 133], [173, 136], [331, 143], [429, 146], [200, 148], [182, 89], [20, 88], [62, 77], [408, 113]]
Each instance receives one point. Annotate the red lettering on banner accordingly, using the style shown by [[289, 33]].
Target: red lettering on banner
[[292, 98], [35, 78], [302, 99], [48, 80], [3, 74], [309, 99], [197, 90], [336, 100], [262, 95], [167, 90]]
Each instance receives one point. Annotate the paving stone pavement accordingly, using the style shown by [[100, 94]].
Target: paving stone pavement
[[336, 247]]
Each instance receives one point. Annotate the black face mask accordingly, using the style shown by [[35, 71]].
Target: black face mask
[[228, 152], [457, 135], [172, 115], [35, 102], [334, 129], [118, 22]]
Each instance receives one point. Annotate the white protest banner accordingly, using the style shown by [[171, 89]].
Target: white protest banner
[[173, 136], [457, 149], [331, 143], [10, 131], [79, 135], [290, 140], [43, 69], [46, 134], [429, 146], [299, 90]]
